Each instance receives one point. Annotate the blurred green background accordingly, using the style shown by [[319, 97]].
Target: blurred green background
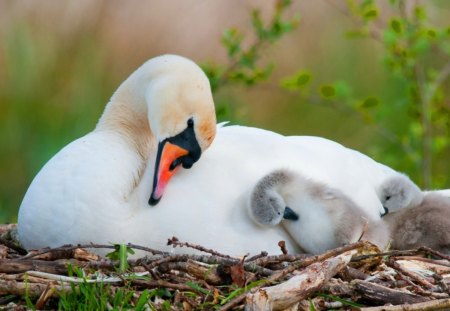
[[60, 61]]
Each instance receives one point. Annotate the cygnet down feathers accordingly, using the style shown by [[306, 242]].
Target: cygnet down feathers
[[427, 224], [318, 217]]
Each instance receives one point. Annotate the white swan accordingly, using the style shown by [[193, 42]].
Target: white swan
[[318, 217], [97, 188]]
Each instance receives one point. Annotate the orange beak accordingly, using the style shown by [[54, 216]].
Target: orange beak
[[167, 164]]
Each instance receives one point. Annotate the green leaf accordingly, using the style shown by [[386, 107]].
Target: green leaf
[[143, 299], [197, 288], [420, 13], [344, 301], [370, 102], [396, 25], [370, 14], [303, 78], [343, 89], [327, 91], [432, 33], [297, 81]]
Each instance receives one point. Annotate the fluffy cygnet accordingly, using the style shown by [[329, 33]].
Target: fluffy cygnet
[[318, 217], [427, 224], [399, 192]]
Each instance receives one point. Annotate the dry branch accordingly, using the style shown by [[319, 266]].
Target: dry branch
[[379, 294], [288, 293], [441, 304], [31, 289], [294, 266]]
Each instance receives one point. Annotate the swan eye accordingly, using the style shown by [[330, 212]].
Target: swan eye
[[387, 197], [190, 122]]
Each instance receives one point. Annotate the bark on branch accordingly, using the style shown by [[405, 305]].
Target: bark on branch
[[288, 293]]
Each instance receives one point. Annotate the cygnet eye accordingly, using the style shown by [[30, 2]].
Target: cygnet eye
[[190, 122], [387, 197]]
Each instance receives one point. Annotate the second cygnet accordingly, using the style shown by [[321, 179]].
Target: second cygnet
[[399, 192], [427, 224], [318, 217]]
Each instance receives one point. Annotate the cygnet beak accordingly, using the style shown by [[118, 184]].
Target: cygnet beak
[[386, 211], [289, 214]]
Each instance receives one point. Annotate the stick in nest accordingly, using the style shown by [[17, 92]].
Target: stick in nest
[[175, 242]]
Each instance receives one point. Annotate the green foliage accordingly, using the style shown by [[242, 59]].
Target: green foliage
[[99, 296], [243, 65], [345, 302], [28, 301], [416, 55], [50, 94], [120, 253]]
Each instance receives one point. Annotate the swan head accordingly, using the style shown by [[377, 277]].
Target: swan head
[[173, 95], [181, 116]]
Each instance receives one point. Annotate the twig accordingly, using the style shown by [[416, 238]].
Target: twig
[[39, 252], [433, 252], [390, 253], [163, 284], [31, 289], [69, 279], [147, 249], [175, 242], [282, 245], [424, 259], [70, 247], [261, 255], [263, 261], [421, 306], [381, 295], [12, 246], [393, 264]]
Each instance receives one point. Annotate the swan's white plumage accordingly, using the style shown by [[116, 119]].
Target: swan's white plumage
[[96, 189]]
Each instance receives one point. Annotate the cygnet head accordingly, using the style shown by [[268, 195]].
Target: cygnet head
[[267, 206], [174, 96], [399, 192]]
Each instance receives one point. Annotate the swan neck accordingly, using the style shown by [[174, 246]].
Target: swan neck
[[127, 114]]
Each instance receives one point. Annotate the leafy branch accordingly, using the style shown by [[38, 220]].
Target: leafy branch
[[417, 56], [243, 66]]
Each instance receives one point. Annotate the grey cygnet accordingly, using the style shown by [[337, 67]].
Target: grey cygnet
[[318, 217], [427, 224], [399, 192]]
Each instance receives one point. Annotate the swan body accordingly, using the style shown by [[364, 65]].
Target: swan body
[[318, 217], [426, 224], [155, 128]]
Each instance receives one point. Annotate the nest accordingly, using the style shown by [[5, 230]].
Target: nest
[[353, 277]]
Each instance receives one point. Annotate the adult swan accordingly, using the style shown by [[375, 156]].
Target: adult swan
[[156, 125]]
